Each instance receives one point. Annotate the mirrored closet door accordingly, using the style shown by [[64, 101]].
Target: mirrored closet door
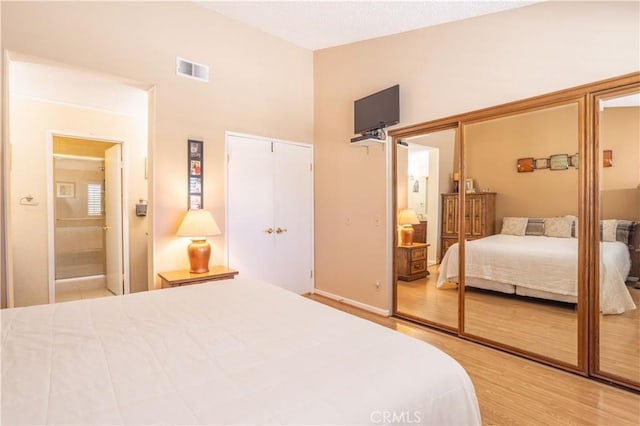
[[426, 166], [521, 273], [537, 242], [617, 313]]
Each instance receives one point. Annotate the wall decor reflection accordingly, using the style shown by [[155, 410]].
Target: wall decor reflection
[[556, 162], [559, 162], [195, 170], [525, 165], [541, 163], [573, 160], [607, 158]]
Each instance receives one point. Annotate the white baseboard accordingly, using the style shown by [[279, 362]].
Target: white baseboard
[[383, 312]]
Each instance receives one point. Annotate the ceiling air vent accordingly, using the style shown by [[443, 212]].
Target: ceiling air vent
[[192, 69]]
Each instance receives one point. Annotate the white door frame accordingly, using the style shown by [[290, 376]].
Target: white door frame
[[51, 264]]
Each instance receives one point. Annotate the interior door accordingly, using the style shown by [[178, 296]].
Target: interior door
[[113, 219], [293, 216], [250, 224]]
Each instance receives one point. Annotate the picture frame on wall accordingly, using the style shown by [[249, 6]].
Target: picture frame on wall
[[195, 174], [65, 190]]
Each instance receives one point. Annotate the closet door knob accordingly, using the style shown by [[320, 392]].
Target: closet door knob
[[269, 230], [281, 230]]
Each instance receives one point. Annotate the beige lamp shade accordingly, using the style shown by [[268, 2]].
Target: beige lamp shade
[[408, 217], [198, 223]]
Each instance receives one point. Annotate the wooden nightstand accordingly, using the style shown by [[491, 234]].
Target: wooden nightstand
[[412, 262], [184, 277]]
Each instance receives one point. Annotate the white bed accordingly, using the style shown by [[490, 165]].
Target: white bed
[[539, 266], [225, 352]]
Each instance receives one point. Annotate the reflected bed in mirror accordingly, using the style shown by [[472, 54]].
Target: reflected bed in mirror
[[544, 266]]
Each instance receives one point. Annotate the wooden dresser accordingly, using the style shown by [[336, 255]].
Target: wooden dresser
[[479, 221]]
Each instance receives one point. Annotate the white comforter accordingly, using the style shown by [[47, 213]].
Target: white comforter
[[226, 352], [542, 263]]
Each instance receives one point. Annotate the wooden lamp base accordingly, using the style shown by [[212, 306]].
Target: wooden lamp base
[[199, 254]]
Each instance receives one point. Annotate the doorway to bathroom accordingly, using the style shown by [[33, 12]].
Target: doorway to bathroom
[[88, 226]]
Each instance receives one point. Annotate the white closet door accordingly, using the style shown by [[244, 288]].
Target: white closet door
[[270, 187], [250, 246], [293, 216]]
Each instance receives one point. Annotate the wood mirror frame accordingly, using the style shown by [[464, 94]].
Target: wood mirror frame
[[588, 309]]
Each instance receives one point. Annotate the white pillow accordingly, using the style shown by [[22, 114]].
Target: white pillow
[[559, 227], [609, 228], [514, 225]]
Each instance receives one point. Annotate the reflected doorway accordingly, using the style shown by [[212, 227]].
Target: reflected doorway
[[425, 167]]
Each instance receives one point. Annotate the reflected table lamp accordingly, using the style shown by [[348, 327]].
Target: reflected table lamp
[[407, 218], [197, 225]]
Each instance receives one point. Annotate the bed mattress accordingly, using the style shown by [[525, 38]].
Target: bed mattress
[[225, 352]]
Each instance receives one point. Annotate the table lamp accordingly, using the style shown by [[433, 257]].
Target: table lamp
[[406, 218], [456, 181], [197, 225]]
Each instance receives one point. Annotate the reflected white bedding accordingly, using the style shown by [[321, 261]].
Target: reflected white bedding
[[544, 264], [225, 352]]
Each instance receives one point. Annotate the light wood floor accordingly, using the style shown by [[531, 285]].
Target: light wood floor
[[515, 391], [541, 327]]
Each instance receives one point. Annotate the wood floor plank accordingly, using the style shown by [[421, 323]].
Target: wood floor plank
[[516, 391]]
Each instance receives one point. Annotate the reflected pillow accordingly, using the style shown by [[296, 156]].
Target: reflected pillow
[[609, 230], [574, 225], [625, 230], [559, 227], [514, 225]]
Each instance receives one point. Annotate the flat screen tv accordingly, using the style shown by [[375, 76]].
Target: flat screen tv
[[377, 111]]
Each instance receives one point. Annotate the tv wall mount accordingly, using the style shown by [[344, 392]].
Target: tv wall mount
[[376, 135]]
